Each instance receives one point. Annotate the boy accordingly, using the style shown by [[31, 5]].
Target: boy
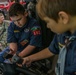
[[3, 31], [60, 16], [24, 33]]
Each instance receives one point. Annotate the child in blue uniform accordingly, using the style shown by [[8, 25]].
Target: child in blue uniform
[[24, 33], [60, 16]]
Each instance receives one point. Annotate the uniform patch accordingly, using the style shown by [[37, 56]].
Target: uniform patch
[[16, 31], [26, 30], [36, 30], [24, 42], [60, 45]]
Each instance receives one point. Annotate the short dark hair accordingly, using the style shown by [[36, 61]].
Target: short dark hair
[[2, 12], [51, 8], [16, 9]]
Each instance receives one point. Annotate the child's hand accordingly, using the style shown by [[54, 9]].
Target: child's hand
[[26, 61], [12, 52], [13, 47]]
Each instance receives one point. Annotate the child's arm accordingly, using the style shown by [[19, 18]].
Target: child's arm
[[13, 47], [37, 56], [27, 50]]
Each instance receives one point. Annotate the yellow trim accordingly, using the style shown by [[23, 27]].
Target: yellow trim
[[60, 44], [16, 31]]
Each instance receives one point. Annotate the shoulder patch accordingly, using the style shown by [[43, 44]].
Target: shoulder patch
[[36, 30], [24, 42], [26, 30]]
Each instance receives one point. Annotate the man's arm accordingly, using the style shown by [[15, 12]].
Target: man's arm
[[27, 50]]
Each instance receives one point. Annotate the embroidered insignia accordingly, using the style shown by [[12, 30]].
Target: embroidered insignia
[[26, 30], [60, 45], [24, 42], [15, 31], [36, 30]]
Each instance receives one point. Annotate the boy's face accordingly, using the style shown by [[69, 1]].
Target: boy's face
[[1, 18], [19, 20], [57, 27]]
